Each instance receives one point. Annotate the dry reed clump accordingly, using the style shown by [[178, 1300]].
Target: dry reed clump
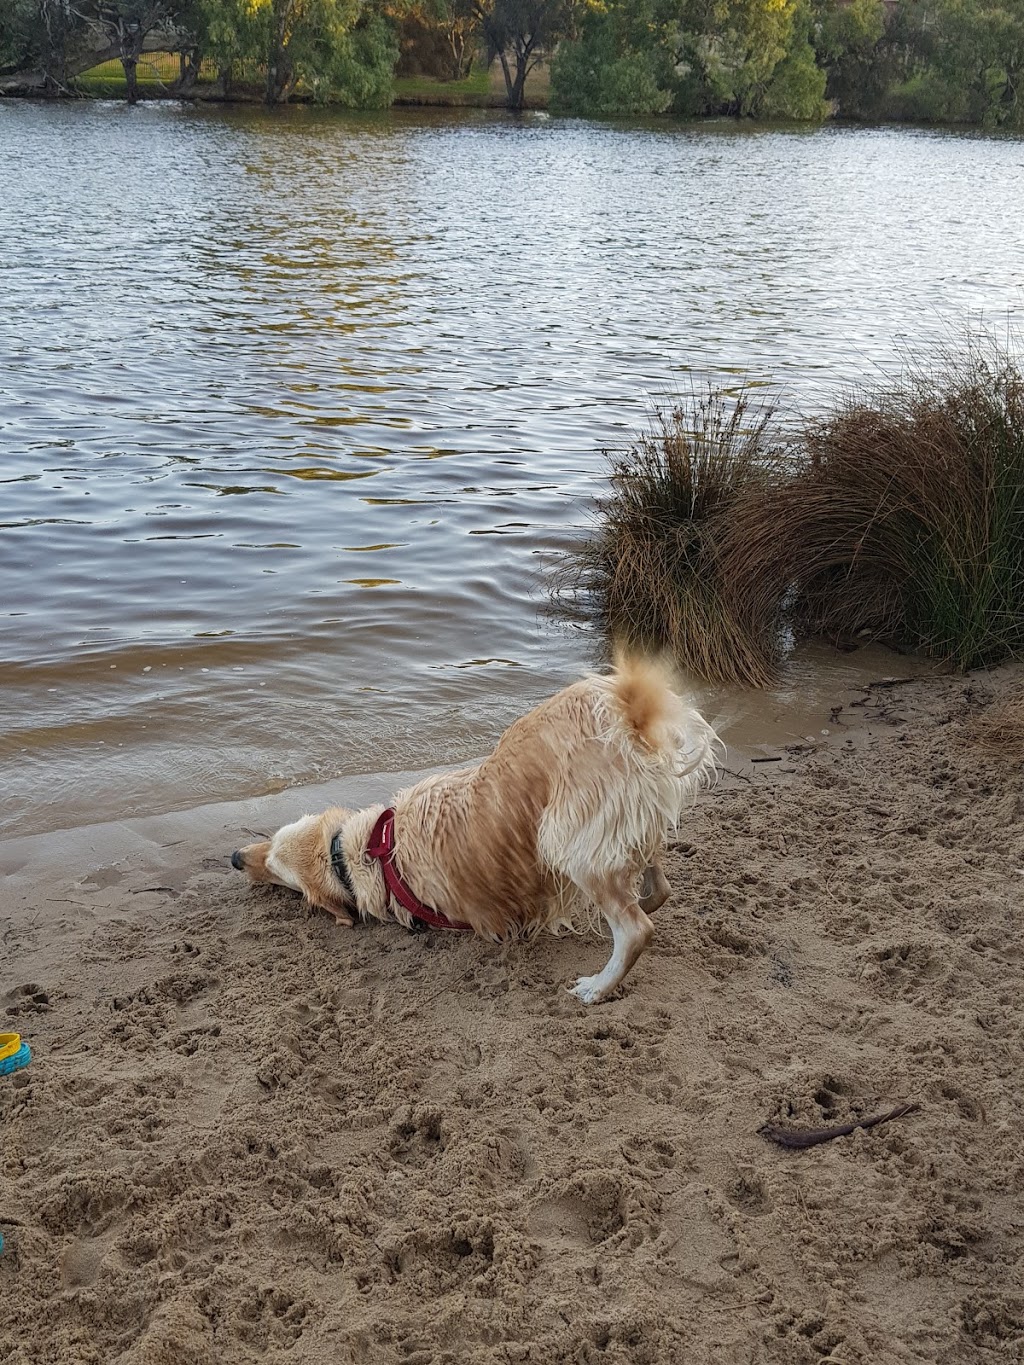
[[899, 514], [650, 574], [1001, 730], [906, 519]]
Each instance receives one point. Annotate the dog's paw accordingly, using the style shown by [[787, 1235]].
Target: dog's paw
[[588, 989], [340, 917]]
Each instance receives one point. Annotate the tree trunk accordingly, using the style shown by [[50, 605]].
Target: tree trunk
[[509, 83], [56, 20], [279, 72], [130, 65], [55, 82], [55, 74], [516, 91], [516, 94], [189, 63], [279, 81], [462, 53], [130, 39], [1008, 97]]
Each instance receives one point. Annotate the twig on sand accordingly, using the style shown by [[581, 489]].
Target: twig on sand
[[758, 1302], [729, 772], [880, 686], [810, 1137]]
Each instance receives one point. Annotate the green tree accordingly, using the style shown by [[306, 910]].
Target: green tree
[[979, 59], [301, 39], [620, 63], [231, 34], [19, 35], [362, 72], [796, 87], [437, 37], [126, 24], [744, 57], [518, 32], [339, 50], [848, 40], [747, 42]]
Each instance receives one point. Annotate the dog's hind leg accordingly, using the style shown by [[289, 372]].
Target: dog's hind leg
[[631, 932], [655, 889]]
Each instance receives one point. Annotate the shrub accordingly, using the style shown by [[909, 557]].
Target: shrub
[[363, 70], [651, 576], [797, 88], [898, 514], [909, 518], [618, 66]]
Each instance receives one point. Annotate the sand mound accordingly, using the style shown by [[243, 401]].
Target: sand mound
[[248, 1135]]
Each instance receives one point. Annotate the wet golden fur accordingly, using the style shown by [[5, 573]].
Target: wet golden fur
[[569, 814]]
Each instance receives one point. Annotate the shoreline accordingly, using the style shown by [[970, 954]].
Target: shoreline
[[499, 102], [169, 845], [798, 705]]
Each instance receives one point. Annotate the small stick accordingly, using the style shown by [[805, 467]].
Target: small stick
[[810, 1137], [730, 773], [777, 758]]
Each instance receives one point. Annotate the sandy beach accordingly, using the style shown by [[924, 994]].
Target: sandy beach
[[248, 1135]]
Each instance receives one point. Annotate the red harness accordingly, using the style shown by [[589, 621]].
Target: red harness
[[382, 846]]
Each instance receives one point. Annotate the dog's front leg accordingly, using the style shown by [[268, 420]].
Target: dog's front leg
[[340, 913], [631, 930]]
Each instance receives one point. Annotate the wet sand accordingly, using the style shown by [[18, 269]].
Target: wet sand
[[248, 1135]]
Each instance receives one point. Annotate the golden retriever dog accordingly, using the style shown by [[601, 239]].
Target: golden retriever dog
[[568, 816]]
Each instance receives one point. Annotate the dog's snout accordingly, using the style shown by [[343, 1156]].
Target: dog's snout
[[237, 861]]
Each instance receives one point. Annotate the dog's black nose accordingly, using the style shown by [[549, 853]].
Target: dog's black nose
[[237, 861]]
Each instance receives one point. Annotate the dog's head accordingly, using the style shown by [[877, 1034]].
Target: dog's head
[[299, 857]]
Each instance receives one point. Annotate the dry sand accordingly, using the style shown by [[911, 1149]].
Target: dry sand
[[248, 1135]]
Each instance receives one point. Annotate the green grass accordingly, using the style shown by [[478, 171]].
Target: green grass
[[155, 72], [92, 84], [427, 88], [158, 70]]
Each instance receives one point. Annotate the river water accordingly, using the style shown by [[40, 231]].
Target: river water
[[298, 407]]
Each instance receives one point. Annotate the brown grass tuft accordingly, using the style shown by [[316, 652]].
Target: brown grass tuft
[[1000, 730], [650, 574], [898, 514]]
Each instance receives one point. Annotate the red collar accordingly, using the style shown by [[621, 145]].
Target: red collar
[[382, 846]]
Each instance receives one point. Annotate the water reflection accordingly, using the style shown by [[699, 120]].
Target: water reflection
[[291, 428]]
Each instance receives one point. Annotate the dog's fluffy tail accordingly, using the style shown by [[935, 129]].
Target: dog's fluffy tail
[[647, 692]]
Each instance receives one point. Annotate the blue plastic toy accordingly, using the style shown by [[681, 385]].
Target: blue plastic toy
[[14, 1054]]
